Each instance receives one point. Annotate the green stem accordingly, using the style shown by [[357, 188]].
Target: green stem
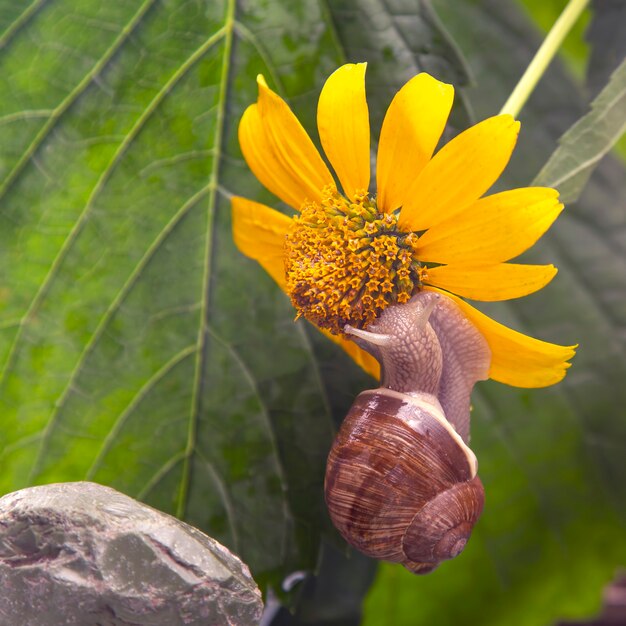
[[544, 55]]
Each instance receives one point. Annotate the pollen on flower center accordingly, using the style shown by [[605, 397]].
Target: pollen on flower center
[[345, 261]]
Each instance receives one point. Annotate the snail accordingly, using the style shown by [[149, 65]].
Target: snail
[[401, 482]]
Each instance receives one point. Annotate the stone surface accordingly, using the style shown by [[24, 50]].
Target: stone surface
[[86, 555]]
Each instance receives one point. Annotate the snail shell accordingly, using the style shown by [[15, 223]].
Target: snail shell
[[401, 482]]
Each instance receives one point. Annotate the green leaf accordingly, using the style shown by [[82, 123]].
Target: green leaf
[[138, 347], [584, 144]]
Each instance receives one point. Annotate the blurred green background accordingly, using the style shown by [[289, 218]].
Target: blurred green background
[[139, 349]]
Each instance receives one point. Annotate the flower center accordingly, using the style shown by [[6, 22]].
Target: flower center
[[345, 262]]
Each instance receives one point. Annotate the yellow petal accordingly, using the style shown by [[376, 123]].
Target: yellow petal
[[493, 229], [517, 359], [279, 151], [363, 359], [462, 171], [259, 232], [501, 281], [344, 127], [411, 130]]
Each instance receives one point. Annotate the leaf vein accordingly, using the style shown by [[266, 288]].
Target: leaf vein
[[123, 417], [107, 317], [228, 503], [163, 471], [201, 356], [20, 22]]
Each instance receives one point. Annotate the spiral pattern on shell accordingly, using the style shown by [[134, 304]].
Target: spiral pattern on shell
[[400, 484]]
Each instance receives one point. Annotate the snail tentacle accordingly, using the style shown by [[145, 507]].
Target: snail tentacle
[[377, 339]]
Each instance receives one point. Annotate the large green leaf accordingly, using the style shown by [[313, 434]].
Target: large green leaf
[[138, 348], [551, 460], [584, 144]]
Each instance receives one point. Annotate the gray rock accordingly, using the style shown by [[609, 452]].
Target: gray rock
[[81, 554]]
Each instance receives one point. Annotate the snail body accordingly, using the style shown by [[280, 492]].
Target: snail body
[[401, 482]]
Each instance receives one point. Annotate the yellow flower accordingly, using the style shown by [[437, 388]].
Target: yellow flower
[[347, 255]]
